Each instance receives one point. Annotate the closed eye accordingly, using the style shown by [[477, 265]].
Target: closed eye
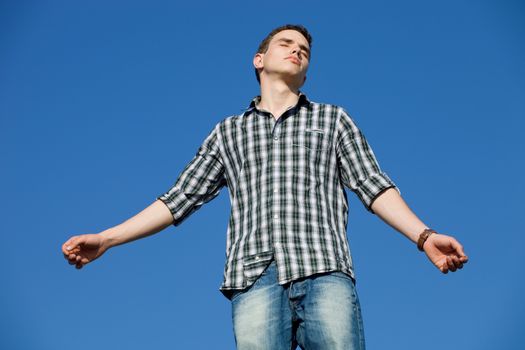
[[286, 42]]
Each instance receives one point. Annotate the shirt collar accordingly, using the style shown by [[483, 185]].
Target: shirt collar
[[303, 100]]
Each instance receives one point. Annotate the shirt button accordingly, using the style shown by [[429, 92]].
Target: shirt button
[[275, 191], [276, 216], [276, 138], [257, 258]]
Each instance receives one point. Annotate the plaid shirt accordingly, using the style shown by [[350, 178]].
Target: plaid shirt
[[286, 183]]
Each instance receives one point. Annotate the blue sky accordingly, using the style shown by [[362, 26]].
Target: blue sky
[[102, 104]]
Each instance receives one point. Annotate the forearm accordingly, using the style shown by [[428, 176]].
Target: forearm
[[393, 210], [153, 219]]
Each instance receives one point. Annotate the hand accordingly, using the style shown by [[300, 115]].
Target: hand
[[83, 249], [445, 252]]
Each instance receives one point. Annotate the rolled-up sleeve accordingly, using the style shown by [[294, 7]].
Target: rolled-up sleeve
[[359, 169], [200, 181]]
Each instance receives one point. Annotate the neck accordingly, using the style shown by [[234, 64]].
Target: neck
[[277, 97]]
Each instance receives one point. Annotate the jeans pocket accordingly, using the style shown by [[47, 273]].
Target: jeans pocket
[[342, 275], [234, 294], [255, 268]]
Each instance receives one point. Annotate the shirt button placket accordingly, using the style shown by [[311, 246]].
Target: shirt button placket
[[275, 131], [275, 183]]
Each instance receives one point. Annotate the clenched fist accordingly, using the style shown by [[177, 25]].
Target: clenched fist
[[445, 252], [83, 249]]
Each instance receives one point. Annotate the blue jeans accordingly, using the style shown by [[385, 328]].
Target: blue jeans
[[319, 312]]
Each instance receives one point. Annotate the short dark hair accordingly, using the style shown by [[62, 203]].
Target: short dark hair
[[263, 46]]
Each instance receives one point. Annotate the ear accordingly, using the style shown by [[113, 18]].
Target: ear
[[258, 60]]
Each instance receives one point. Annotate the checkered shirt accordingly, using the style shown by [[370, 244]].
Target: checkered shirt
[[286, 183]]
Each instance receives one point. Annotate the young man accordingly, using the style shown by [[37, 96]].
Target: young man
[[285, 161]]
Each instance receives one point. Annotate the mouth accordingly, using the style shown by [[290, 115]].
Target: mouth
[[294, 60]]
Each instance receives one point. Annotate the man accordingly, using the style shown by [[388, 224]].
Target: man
[[285, 161]]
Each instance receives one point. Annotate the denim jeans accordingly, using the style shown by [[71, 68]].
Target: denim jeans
[[319, 312]]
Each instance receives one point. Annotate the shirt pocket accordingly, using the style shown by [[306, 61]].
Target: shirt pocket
[[311, 138]]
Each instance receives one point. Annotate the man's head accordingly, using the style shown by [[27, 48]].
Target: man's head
[[285, 49]]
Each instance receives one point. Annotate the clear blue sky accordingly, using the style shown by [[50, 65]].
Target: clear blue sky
[[103, 103]]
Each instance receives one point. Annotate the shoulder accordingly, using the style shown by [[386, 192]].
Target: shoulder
[[326, 108], [229, 122], [337, 115], [330, 112], [232, 119], [228, 125]]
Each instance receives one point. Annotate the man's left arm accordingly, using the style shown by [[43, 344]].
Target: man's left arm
[[445, 252]]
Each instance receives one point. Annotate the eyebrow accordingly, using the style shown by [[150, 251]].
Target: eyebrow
[[290, 41]]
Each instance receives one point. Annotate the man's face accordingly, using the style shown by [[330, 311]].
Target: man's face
[[288, 56]]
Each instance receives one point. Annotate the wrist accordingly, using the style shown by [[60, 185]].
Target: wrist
[[423, 237], [108, 238]]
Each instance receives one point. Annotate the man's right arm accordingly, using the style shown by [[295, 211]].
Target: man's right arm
[[153, 219], [83, 249], [199, 182]]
